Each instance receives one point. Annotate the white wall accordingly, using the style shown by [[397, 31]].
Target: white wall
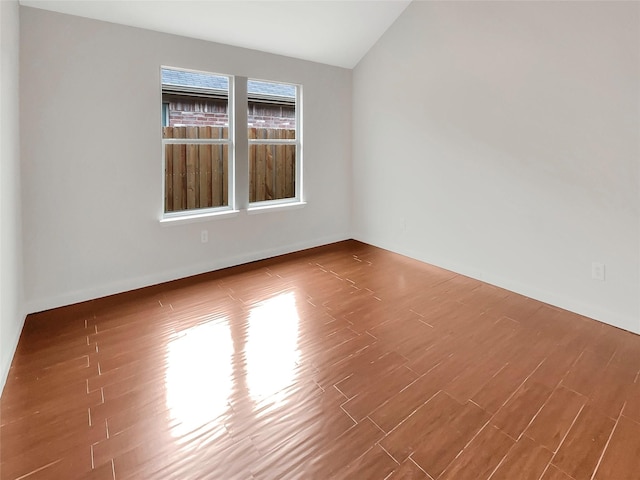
[[11, 295], [92, 170], [501, 140]]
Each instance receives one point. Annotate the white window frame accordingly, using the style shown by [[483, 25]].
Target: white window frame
[[238, 159], [298, 197], [230, 142]]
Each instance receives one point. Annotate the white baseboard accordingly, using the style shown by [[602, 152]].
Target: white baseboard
[[595, 312], [124, 285], [6, 361]]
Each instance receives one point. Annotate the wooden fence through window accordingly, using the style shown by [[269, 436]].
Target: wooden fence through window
[[272, 168], [196, 175]]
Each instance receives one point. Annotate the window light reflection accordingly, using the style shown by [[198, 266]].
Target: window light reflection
[[199, 375], [272, 346]]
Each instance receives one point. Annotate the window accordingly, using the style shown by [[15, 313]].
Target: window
[[274, 146], [202, 174], [196, 141]]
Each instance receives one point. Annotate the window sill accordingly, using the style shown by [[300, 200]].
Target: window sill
[[275, 207], [198, 217]]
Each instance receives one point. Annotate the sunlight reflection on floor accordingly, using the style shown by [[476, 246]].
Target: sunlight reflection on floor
[[199, 375], [272, 346]]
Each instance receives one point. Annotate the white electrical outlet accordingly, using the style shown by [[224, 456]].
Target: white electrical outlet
[[204, 236], [597, 271]]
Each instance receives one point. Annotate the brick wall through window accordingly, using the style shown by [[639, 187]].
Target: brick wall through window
[[206, 111]]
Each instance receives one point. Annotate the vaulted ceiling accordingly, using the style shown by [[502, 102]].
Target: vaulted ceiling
[[337, 32]]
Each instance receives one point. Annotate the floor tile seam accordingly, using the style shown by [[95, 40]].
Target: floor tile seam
[[39, 469], [606, 445], [539, 445], [355, 422], [335, 385], [4, 424], [512, 447], [302, 463], [536, 414], [635, 372], [390, 400], [595, 379], [385, 436], [89, 415], [577, 359], [360, 394], [432, 347], [544, 447], [409, 370], [411, 414], [475, 392], [506, 364], [575, 419], [106, 431], [490, 421], [550, 464], [630, 419], [117, 380], [146, 328], [444, 470], [516, 389], [378, 427], [590, 401], [42, 336], [384, 449], [420, 375], [52, 419], [586, 397], [24, 371], [390, 474], [410, 459], [31, 456], [354, 460], [111, 457], [358, 423], [511, 437], [351, 354], [545, 470], [609, 360], [551, 460], [42, 398]]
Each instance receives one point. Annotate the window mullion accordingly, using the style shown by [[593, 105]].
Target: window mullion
[[240, 163]]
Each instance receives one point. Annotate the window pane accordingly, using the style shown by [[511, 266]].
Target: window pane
[[196, 175], [272, 172], [271, 105], [195, 99], [271, 116]]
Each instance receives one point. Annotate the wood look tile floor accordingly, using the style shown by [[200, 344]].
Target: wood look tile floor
[[344, 361]]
